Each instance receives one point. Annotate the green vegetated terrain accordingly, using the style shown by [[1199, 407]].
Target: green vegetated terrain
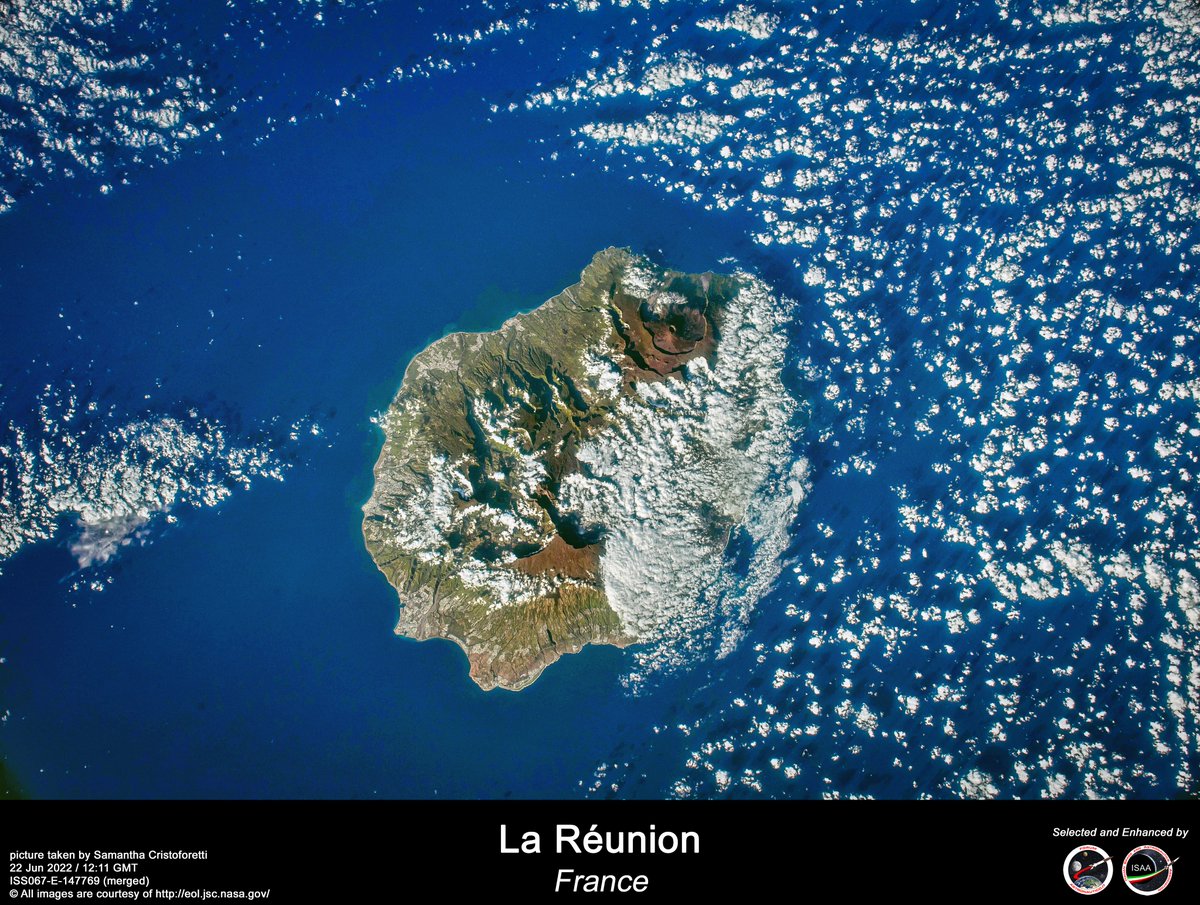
[[478, 441]]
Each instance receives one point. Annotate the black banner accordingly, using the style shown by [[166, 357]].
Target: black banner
[[568, 851]]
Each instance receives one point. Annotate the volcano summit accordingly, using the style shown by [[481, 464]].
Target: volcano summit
[[575, 476]]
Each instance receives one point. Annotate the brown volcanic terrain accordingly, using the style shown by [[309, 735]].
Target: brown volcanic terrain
[[665, 331], [472, 538]]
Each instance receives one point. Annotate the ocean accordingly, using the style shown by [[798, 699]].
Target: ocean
[[981, 220]]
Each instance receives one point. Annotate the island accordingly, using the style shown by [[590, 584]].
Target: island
[[508, 496]]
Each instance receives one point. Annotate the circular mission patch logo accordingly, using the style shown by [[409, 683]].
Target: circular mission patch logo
[[1088, 870], [1147, 870]]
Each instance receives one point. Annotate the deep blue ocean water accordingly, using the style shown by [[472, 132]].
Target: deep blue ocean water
[[288, 272], [248, 650]]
